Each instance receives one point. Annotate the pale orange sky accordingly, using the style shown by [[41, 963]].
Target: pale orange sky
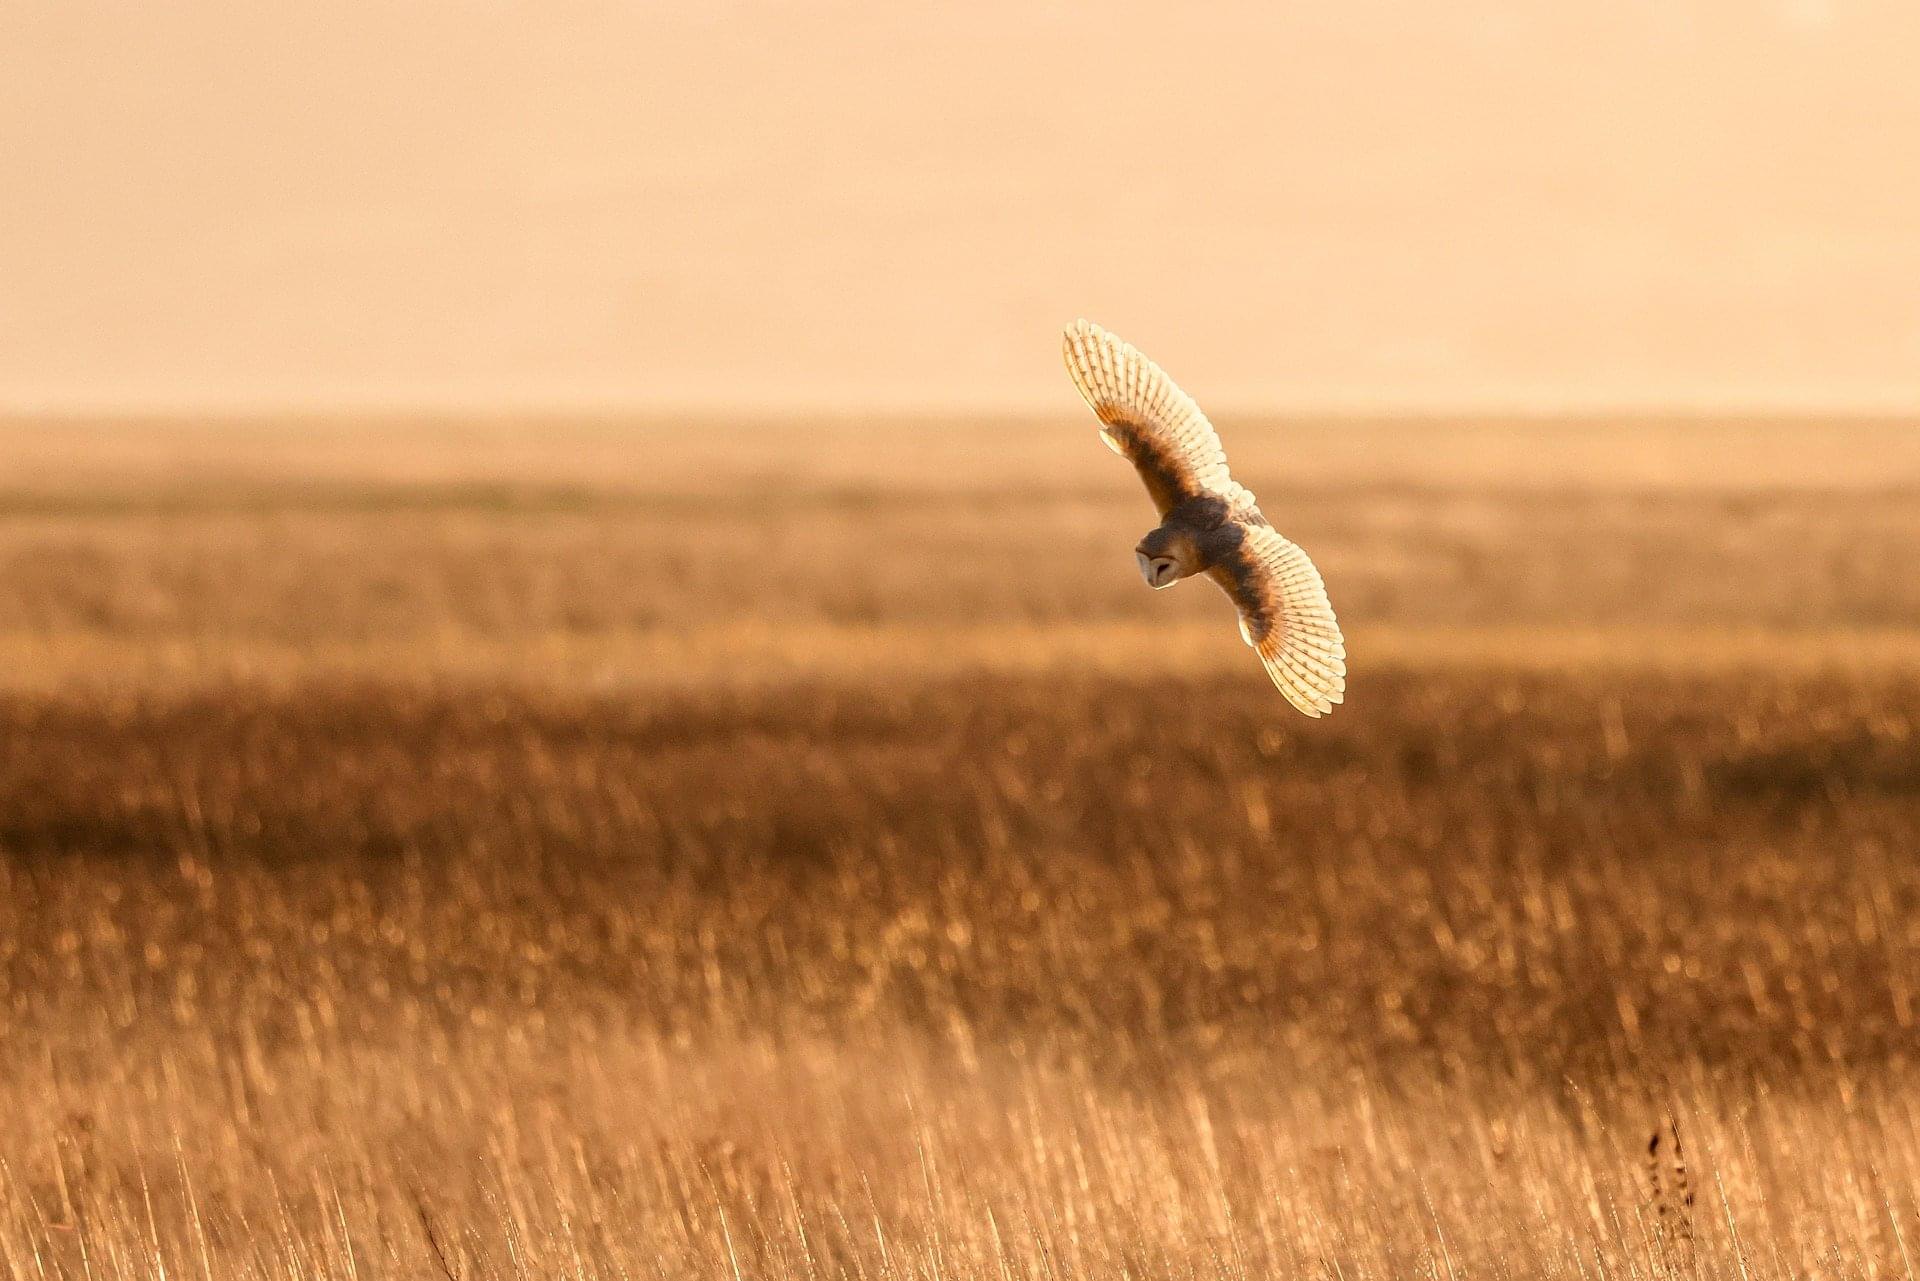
[[241, 205]]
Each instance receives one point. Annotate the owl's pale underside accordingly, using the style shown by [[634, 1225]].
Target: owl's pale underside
[[1210, 523]]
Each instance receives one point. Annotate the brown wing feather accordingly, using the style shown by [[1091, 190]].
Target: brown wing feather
[[1149, 421], [1285, 616]]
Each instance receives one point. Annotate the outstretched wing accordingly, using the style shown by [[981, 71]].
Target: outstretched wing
[[1149, 421], [1285, 616]]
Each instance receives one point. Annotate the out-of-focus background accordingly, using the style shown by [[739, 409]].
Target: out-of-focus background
[[824, 206], [574, 698]]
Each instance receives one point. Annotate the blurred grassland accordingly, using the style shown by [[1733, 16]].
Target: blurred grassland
[[806, 850], [652, 552]]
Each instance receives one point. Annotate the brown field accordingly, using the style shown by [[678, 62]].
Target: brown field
[[806, 851]]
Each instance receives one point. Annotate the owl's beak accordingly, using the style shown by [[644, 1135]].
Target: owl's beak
[[1158, 571]]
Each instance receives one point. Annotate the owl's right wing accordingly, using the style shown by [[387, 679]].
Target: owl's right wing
[[1285, 616], [1149, 421]]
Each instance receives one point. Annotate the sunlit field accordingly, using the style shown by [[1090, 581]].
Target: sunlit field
[[808, 851]]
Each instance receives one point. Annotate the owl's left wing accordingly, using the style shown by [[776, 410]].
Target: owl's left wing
[[1285, 616], [1149, 421]]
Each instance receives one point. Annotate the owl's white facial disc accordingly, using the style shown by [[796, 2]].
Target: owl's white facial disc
[[1158, 571]]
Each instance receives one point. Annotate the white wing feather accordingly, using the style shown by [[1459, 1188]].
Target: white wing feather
[[1148, 420], [1285, 616]]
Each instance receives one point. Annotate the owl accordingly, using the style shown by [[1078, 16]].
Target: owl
[[1209, 522]]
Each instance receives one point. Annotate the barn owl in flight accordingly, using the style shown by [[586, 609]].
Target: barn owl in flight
[[1210, 523]]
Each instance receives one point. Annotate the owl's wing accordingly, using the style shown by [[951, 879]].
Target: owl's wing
[[1285, 616], [1149, 421]]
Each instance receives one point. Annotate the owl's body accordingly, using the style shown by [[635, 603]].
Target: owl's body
[[1210, 523], [1199, 534]]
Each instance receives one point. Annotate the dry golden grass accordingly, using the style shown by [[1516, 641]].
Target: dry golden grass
[[422, 858]]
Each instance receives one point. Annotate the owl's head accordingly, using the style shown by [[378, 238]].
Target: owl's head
[[1165, 557], [1159, 571]]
